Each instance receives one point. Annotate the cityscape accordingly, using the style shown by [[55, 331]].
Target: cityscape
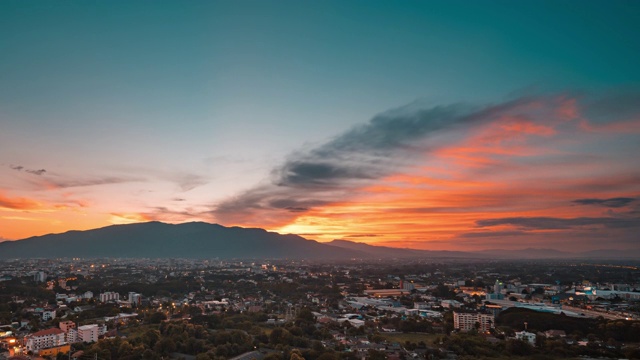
[[319, 180], [257, 309]]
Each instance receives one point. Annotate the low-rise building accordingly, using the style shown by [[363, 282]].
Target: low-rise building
[[44, 339], [54, 351], [48, 315], [526, 336]]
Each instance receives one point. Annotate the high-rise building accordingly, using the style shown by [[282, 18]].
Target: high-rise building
[[40, 276], [109, 296], [470, 321]]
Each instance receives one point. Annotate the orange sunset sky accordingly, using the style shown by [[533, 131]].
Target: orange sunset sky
[[430, 126]]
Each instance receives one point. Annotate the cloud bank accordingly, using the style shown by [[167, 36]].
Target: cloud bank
[[440, 174]]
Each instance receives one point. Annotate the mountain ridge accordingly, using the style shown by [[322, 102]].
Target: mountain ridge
[[156, 239], [162, 240]]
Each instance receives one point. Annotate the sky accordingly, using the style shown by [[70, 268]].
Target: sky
[[461, 125]]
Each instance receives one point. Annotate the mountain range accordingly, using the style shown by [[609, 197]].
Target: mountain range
[[204, 240]]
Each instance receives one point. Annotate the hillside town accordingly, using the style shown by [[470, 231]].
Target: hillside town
[[256, 309]]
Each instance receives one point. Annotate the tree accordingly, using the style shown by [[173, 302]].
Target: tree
[[518, 348], [305, 315], [165, 346], [376, 355], [280, 336], [296, 355]]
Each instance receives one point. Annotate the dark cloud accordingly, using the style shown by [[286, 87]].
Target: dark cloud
[[30, 171], [188, 182], [297, 209], [268, 204], [369, 151], [36, 172], [327, 173], [58, 182], [551, 223], [612, 202]]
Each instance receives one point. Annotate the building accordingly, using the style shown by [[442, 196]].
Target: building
[[421, 305], [44, 339], [72, 335], [40, 276], [67, 325], [387, 292], [48, 315], [81, 308], [54, 351], [109, 296], [497, 292], [90, 333], [134, 298], [493, 309], [526, 336], [406, 285], [450, 304], [471, 321], [555, 334]]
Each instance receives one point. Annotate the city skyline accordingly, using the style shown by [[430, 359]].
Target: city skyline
[[429, 125]]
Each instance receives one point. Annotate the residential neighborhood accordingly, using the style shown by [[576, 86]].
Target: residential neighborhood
[[55, 309]]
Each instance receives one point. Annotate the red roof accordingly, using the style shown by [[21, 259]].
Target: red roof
[[52, 331]]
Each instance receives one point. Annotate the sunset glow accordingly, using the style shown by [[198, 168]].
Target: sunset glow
[[401, 141]]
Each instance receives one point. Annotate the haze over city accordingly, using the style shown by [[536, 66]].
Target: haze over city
[[429, 125]]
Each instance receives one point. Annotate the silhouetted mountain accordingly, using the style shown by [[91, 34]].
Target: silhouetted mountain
[[160, 240], [390, 252], [203, 240], [610, 254], [529, 253]]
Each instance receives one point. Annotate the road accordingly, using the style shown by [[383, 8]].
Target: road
[[593, 314]]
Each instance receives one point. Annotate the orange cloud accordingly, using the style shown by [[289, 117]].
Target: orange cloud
[[18, 203]]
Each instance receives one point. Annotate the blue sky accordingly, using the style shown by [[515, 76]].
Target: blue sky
[[202, 100]]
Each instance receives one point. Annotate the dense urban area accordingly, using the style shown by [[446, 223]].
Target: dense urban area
[[257, 309]]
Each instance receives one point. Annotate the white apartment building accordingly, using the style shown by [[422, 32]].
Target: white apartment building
[[468, 321], [109, 296], [526, 336], [72, 335], [134, 298], [44, 339], [90, 333], [40, 276]]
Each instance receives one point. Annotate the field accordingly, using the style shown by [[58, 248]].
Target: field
[[412, 337]]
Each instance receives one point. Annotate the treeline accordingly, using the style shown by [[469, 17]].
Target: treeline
[[475, 346], [600, 328]]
